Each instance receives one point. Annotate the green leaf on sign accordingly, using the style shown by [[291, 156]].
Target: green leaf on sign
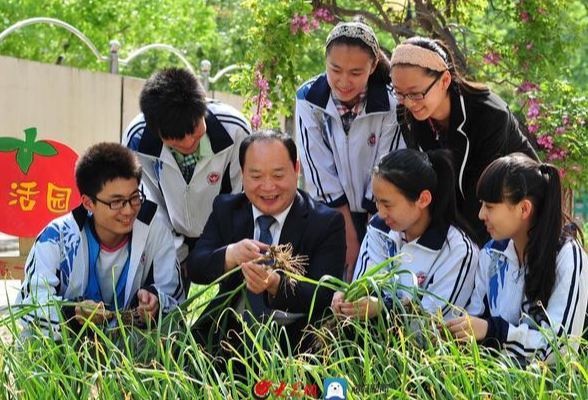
[[24, 158], [8, 144], [44, 149]]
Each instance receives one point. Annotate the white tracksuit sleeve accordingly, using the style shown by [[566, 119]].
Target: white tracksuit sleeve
[[166, 269], [42, 278], [476, 305], [565, 312], [316, 156], [374, 251], [452, 280]]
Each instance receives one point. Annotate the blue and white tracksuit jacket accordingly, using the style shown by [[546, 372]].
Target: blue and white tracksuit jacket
[[186, 206], [441, 262], [338, 166], [499, 297], [57, 267]]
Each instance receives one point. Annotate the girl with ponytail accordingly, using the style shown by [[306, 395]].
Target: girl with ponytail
[[346, 121], [533, 274], [442, 109], [417, 216]]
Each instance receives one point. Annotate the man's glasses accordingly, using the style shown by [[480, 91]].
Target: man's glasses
[[416, 96], [134, 201]]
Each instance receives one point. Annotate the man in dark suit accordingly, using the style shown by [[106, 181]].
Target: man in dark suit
[[270, 211]]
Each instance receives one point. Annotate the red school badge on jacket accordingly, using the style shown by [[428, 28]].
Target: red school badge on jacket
[[372, 140], [213, 178], [421, 278]]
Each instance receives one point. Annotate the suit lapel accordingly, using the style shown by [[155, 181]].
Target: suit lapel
[[243, 222], [295, 222]]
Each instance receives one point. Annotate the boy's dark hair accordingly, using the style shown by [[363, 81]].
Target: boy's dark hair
[[102, 163], [173, 102], [268, 135]]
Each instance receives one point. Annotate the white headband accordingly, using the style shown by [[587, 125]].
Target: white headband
[[419, 56], [356, 30]]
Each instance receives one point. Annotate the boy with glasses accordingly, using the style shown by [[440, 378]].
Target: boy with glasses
[[109, 253]]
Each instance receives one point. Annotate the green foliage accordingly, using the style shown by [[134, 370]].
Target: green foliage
[[188, 26], [278, 54], [398, 355], [558, 115]]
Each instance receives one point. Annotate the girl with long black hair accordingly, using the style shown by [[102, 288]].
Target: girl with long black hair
[[532, 280], [417, 216]]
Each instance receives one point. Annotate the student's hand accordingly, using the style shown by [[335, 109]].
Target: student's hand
[[367, 304], [259, 279], [85, 309], [148, 305], [244, 251], [336, 303], [351, 255], [466, 326]]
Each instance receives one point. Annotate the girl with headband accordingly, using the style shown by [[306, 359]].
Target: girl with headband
[[531, 285], [444, 110], [345, 121]]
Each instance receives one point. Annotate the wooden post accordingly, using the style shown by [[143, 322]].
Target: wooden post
[[13, 267]]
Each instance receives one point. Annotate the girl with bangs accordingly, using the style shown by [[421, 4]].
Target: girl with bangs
[[417, 217], [346, 121], [532, 282]]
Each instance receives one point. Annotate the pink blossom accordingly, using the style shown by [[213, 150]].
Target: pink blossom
[[524, 16], [562, 173], [545, 141], [541, 11], [560, 130], [323, 14], [492, 58], [533, 128], [529, 45], [556, 154], [528, 87], [533, 111], [256, 121], [577, 168], [566, 120], [314, 23]]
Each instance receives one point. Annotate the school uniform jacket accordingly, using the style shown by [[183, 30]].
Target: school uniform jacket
[[499, 297], [338, 166], [442, 262], [186, 206], [58, 265], [481, 129]]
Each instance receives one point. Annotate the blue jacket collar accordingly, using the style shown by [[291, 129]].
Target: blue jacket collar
[[433, 238], [377, 99]]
